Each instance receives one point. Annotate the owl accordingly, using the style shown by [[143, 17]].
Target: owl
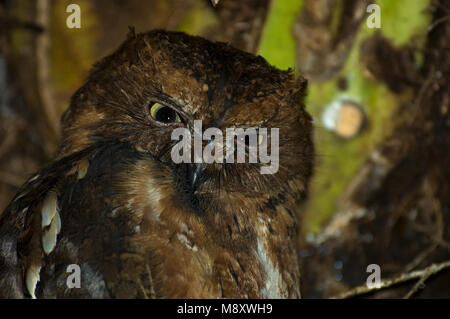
[[138, 225]]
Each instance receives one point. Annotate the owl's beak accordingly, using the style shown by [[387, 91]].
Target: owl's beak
[[195, 172]]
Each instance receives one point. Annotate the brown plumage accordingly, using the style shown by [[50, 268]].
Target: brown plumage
[[114, 203]]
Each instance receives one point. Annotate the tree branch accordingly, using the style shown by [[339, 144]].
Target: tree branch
[[423, 275]]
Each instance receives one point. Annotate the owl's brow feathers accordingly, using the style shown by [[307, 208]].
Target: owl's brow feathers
[[239, 72]]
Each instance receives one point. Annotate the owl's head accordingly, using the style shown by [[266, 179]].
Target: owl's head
[[161, 81]]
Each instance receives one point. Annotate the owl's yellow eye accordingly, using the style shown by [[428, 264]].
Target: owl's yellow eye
[[164, 114]]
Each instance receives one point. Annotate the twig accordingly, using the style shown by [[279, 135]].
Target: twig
[[421, 257], [423, 274], [215, 2], [437, 22], [43, 67]]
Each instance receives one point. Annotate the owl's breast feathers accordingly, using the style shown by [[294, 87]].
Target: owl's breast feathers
[[115, 213]]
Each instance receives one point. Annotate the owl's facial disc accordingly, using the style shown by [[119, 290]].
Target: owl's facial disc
[[166, 84]]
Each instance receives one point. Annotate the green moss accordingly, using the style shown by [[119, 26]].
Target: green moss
[[197, 19], [336, 20], [338, 160], [278, 43], [401, 20]]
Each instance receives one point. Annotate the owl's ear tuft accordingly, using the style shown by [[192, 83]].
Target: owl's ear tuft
[[131, 33], [298, 89], [302, 84], [132, 46]]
